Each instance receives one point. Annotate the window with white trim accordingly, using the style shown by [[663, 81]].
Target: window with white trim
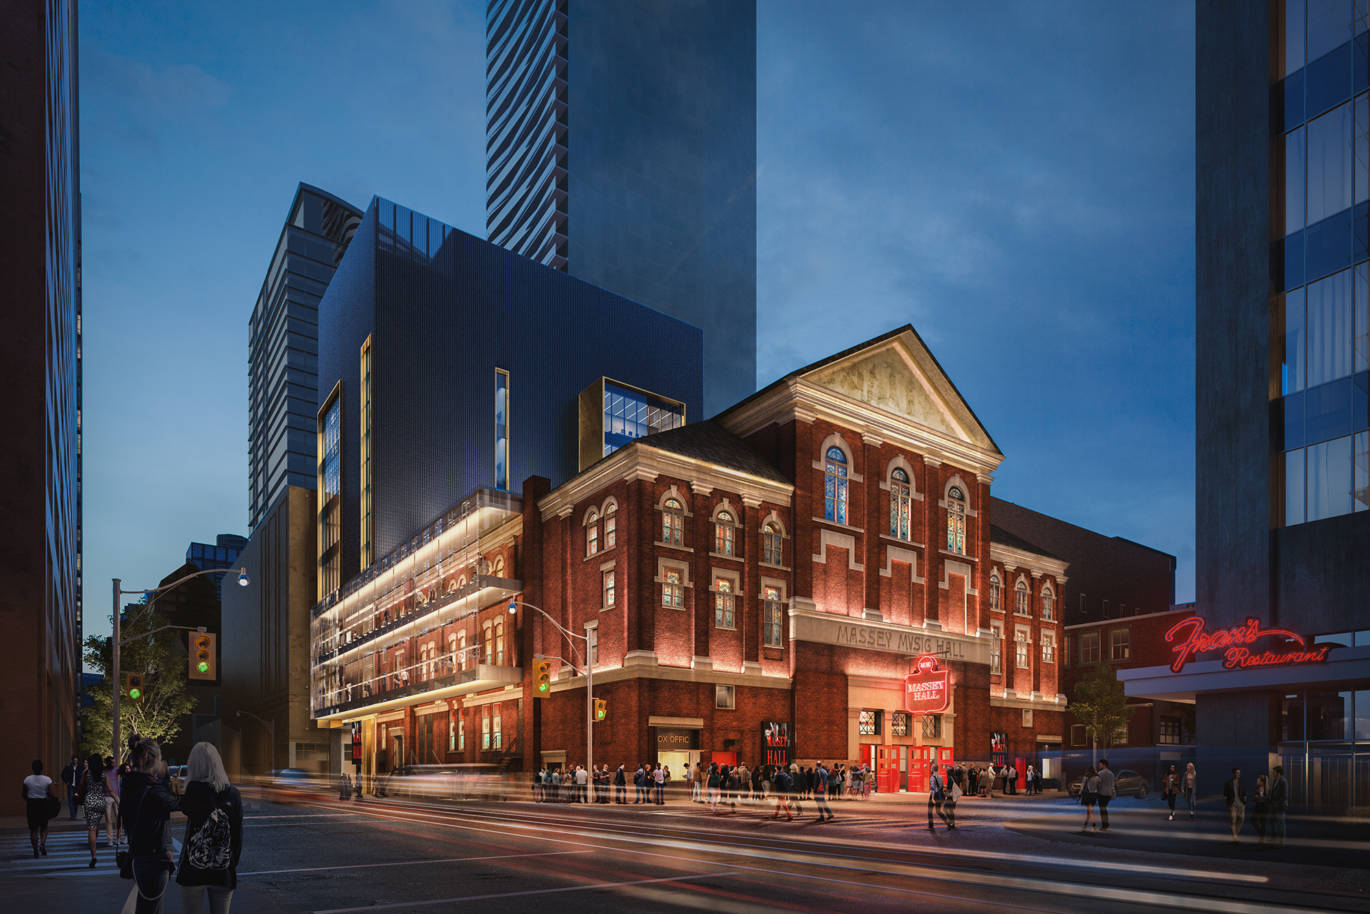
[[1027, 717], [725, 604], [996, 647], [725, 697], [901, 503], [835, 485], [489, 642], [485, 727], [495, 739], [772, 541], [1089, 647], [1020, 598], [610, 525], [996, 594], [672, 522], [672, 589], [956, 521], [1048, 647], [771, 614], [724, 531], [607, 578], [1119, 644], [1048, 605], [499, 643], [592, 532], [1021, 647]]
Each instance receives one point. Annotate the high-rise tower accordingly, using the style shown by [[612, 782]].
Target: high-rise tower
[[621, 148]]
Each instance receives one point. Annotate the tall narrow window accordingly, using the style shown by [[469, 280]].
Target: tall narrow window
[[672, 589], [770, 617], [1048, 605], [723, 533], [608, 582], [499, 643], [996, 593], [1020, 598], [1048, 647], [489, 644], [485, 727], [771, 544], [367, 512], [461, 650], [501, 429], [610, 525], [835, 485], [901, 504], [591, 532], [592, 644], [672, 523], [1021, 646], [725, 612], [497, 738], [996, 647], [461, 731], [956, 521], [330, 494]]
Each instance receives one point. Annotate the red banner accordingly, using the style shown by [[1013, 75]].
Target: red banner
[[926, 691]]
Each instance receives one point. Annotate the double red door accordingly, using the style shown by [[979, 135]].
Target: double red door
[[887, 768], [920, 763]]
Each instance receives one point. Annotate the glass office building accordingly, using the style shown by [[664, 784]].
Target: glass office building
[[283, 346], [621, 148]]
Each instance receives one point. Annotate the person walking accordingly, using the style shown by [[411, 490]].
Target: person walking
[[821, 783], [1279, 804], [1170, 789], [780, 786], [715, 786], [111, 778], [1190, 784], [1235, 795], [1260, 807], [1089, 795], [620, 786], [149, 805], [936, 798], [36, 791], [659, 785], [213, 842], [1107, 791], [71, 778], [92, 790]]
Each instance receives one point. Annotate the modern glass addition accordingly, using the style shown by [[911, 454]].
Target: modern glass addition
[[501, 429], [630, 414], [330, 495], [368, 515]]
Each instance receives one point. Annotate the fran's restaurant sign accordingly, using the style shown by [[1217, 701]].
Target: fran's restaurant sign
[[1243, 646], [926, 691]]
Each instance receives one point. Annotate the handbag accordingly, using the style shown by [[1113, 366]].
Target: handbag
[[123, 856], [52, 807]]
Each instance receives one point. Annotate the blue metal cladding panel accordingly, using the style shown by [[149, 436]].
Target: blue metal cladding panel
[[447, 309]]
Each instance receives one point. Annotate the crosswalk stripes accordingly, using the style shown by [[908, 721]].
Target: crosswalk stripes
[[68, 855]]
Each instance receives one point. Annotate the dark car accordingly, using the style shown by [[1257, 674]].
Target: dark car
[[1126, 782]]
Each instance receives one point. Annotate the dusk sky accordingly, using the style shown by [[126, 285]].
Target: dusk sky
[[1015, 180]]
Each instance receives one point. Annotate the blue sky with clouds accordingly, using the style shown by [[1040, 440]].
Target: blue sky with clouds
[[1015, 180]]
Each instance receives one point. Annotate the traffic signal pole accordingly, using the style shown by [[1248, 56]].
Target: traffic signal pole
[[114, 684]]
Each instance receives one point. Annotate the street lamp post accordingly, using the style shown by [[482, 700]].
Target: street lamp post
[[589, 679], [271, 729], [116, 641]]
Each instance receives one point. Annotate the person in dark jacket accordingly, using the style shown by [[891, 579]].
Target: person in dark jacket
[[209, 801], [146, 805], [1235, 795], [71, 778]]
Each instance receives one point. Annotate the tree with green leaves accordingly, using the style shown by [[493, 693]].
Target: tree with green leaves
[[1100, 704], [160, 657]]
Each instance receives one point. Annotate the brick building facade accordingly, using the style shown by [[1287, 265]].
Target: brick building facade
[[779, 568]]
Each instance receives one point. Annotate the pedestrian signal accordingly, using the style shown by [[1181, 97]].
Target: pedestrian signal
[[601, 709], [542, 677], [133, 686], [202, 658]]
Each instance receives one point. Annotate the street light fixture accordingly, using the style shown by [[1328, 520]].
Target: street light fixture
[[514, 604], [116, 641]]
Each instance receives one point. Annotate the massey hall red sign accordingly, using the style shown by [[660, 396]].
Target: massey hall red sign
[[926, 691], [1280, 647]]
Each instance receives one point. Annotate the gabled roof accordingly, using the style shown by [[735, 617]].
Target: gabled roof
[[711, 442]]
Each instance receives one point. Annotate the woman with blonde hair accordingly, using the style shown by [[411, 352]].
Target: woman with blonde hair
[[214, 833]]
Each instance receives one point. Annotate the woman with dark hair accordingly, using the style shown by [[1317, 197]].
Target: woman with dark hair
[[37, 788], [147, 804], [92, 791]]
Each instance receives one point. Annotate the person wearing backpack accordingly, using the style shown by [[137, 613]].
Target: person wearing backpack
[[214, 833]]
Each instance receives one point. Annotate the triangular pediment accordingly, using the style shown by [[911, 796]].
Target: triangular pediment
[[898, 375]]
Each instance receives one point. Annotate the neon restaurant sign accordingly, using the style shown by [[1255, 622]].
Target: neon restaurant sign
[[1239, 645]]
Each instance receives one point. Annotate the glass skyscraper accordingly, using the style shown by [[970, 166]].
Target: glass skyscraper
[[621, 148], [40, 260], [284, 346]]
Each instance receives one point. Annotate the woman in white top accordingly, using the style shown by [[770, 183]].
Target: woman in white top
[[37, 789]]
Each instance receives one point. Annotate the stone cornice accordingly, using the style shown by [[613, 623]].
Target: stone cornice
[[1013, 558]]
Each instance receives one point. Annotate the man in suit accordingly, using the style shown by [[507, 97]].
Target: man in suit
[[1235, 794], [1279, 803]]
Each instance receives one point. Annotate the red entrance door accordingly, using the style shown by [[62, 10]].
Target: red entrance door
[[887, 769], [919, 759], [945, 759]]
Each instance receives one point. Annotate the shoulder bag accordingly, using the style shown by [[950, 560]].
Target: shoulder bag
[[123, 856]]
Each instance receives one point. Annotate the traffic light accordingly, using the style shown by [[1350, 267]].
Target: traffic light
[[542, 677], [202, 657], [133, 686], [601, 709]]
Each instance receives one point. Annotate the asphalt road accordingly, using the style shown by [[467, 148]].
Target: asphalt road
[[316, 854]]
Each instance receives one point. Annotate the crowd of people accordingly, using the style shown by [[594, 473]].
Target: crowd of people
[[134, 801]]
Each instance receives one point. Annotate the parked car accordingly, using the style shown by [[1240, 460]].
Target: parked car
[[1127, 782]]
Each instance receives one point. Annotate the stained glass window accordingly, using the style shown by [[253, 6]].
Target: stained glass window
[[956, 521], [835, 486], [901, 504], [771, 540], [770, 622], [995, 593], [725, 615], [1020, 598], [723, 533], [610, 525], [672, 590], [672, 522]]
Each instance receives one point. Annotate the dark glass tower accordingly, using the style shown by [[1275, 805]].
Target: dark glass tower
[[283, 351], [621, 148], [40, 262]]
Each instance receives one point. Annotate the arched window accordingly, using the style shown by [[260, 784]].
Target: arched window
[[461, 650], [591, 532], [835, 485], [1048, 605], [498, 568], [1020, 598], [723, 533], [489, 644], [956, 521], [901, 504], [772, 543], [610, 525], [451, 659], [995, 593], [499, 643], [672, 523]]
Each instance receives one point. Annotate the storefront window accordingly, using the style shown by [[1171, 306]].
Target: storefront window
[[1330, 716]]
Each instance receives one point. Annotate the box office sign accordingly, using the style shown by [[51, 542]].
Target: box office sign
[[676, 738], [776, 742], [926, 691]]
